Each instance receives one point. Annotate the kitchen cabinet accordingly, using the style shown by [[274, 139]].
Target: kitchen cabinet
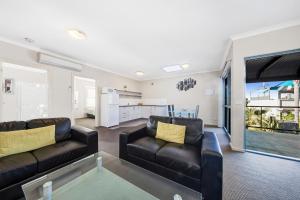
[[161, 111], [123, 114], [128, 113], [146, 111]]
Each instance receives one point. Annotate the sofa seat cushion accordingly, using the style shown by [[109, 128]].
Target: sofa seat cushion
[[145, 147], [182, 158], [17, 167], [56, 154]]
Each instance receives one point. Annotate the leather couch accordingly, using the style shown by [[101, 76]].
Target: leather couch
[[71, 144], [197, 164]]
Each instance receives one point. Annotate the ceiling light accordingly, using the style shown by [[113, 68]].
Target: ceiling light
[[139, 73], [172, 68], [77, 34], [29, 40], [185, 66]]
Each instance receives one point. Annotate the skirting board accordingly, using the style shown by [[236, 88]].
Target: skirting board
[[210, 126], [237, 149]]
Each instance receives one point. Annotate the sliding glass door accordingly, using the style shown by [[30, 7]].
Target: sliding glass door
[[227, 102]]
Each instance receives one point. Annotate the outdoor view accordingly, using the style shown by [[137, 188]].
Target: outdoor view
[[272, 118]]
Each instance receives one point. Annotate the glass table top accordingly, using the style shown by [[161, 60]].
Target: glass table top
[[185, 113], [100, 185], [84, 180]]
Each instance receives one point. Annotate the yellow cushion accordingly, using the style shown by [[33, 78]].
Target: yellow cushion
[[170, 132], [12, 142]]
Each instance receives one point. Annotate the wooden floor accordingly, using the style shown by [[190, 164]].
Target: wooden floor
[[86, 122]]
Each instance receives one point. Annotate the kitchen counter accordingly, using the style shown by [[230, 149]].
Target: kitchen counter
[[131, 112], [142, 105]]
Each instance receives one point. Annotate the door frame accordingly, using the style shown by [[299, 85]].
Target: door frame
[[96, 123], [1, 90]]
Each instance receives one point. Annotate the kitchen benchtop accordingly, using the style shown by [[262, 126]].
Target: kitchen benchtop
[[141, 105]]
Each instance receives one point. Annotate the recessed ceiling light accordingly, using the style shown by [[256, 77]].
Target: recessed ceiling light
[[185, 66], [139, 73], [172, 68], [77, 34]]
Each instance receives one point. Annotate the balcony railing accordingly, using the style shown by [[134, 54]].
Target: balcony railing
[[273, 118]]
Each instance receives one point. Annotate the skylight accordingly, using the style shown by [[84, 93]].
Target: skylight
[[172, 68]]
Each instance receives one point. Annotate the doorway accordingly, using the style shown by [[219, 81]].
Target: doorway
[[84, 102], [24, 93], [272, 104]]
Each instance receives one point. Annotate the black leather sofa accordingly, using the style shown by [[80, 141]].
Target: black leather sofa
[[71, 144], [197, 164]]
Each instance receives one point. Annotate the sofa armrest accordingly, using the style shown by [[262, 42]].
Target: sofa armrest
[[86, 136], [212, 167], [130, 136]]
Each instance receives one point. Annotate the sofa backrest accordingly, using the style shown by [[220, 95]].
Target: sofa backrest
[[152, 124], [62, 126], [12, 126], [194, 129]]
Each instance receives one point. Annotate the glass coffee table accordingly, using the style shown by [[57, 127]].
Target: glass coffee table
[[85, 179], [102, 176]]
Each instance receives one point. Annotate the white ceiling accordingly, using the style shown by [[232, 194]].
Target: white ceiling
[[125, 36]]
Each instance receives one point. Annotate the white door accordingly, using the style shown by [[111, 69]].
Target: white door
[[115, 98], [28, 98], [60, 83], [1, 93], [36, 107], [113, 115]]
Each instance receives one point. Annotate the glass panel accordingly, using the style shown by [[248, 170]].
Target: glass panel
[[227, 102], [100, 185], [83, 180], [272, 118], [185, 112]]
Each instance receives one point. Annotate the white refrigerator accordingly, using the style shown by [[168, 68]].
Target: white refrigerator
[[109, 107]]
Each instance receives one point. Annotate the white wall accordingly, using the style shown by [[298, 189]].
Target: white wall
[[60, 80], [166, 88], [271, 42]]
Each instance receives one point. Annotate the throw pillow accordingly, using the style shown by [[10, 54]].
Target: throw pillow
[[13, 142], [170, 132]]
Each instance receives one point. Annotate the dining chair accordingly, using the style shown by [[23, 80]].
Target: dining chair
[[171, 110], [196, 111]]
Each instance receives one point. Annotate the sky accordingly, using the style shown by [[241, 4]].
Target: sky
[[253, 86]]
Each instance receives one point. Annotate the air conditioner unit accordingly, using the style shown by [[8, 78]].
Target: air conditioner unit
[[59, 62]]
